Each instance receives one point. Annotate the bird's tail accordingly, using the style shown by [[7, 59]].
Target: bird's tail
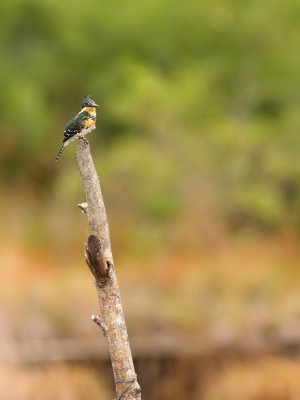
[[60, 151]]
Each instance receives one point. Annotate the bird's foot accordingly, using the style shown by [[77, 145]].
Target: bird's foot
[[84, 140]]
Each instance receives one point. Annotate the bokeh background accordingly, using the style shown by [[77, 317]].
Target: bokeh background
[[197, 147]]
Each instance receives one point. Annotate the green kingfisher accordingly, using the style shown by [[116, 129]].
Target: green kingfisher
[[84, 122]]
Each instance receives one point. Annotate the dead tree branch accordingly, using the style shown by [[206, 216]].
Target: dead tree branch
[[99, 259]]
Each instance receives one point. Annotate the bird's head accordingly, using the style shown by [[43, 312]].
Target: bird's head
[[88, 102]]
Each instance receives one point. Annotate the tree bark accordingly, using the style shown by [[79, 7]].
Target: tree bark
[[100, 261]]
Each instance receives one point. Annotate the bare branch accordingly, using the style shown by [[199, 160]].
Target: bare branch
[[100, 261]]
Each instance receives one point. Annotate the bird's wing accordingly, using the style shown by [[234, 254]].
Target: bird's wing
[[76, 125]]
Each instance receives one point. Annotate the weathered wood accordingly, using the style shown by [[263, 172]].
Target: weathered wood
[[100, 261]]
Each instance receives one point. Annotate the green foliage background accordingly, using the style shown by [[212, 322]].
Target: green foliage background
[[199, 120]]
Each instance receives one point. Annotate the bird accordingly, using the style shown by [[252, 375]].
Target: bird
[[84, 122]]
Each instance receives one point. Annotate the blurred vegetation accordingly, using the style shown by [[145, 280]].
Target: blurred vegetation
[[61, 382], [199, 108]]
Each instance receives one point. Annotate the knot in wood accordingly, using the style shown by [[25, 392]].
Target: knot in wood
[[95, 260]]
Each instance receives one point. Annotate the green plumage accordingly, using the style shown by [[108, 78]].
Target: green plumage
[[76, 125]]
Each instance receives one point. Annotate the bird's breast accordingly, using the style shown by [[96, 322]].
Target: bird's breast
[[88, 123]]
